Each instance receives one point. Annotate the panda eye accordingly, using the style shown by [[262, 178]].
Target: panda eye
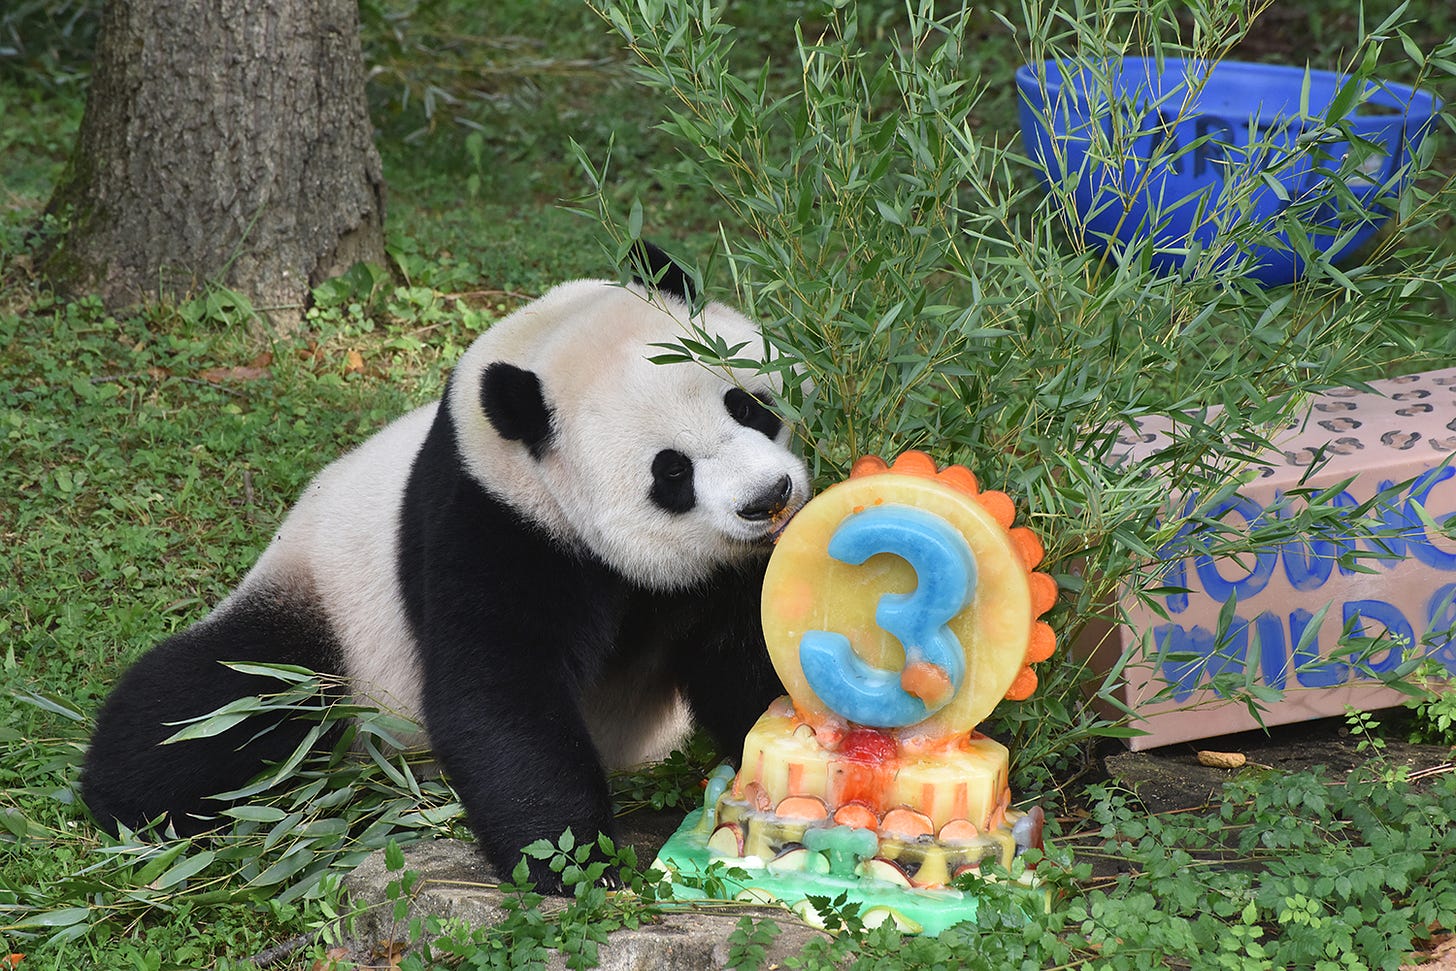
[[752, 410], [671, 465], [672, 481]]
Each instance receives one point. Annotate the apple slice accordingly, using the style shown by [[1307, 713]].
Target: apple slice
[[797, 859], [857, 816], [959, 831], [727, 840], [906, 824], [889, 871], [880, 914], [802, 807]]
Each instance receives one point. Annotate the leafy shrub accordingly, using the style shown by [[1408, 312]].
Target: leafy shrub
[[1435, 718], [925, 293]]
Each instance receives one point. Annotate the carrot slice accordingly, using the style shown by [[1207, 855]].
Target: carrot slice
[[857, 816], [906, 823], [802, 807]]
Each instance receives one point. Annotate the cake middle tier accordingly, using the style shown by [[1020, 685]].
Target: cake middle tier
[[871, 778]]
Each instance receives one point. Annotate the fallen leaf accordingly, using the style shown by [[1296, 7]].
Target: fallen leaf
[[1222, 760], [330, 960], [218, 375], [252, 371], [1443, 956], [354, 362], [392, 952]]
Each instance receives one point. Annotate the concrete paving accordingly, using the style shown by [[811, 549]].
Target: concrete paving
[[452, 885]]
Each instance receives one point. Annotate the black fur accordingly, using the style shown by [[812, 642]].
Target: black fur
[[131, 778], [653, 268], [514, 627], [752, 411], [516, 406], [672, 481], [718, 655]]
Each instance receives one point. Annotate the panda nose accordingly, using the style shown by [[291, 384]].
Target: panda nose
[[768, 503]]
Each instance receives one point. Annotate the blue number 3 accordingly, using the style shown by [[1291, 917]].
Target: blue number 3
[[945, 570]]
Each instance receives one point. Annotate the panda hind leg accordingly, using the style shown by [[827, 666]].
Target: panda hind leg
[[130, 777]]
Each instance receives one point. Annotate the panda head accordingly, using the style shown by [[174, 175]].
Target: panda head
[[666, 472]]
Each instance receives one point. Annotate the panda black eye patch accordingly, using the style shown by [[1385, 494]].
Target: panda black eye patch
[[752, 411], [672, 481]]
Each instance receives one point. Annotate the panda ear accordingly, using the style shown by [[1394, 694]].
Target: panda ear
[[513, 401], [655, 270]]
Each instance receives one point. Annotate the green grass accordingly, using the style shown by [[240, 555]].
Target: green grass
[[148, 456], [143, 485]]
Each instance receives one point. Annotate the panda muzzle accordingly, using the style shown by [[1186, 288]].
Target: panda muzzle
[[769, 503]]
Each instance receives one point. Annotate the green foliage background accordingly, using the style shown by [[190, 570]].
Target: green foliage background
[[935, 298]]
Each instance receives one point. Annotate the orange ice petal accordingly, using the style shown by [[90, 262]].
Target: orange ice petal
[[1023, 686], [1000, 506], [914, 463], [960, 477], [1028, 546], [868, 465], [1043, 643], [1043, 593]]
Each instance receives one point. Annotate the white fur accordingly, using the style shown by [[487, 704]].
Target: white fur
[[590, 343], [336, 542]]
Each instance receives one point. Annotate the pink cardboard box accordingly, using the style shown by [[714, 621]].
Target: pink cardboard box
[[1406, 431]]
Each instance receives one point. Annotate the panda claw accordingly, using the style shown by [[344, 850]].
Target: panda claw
[[549, 883]]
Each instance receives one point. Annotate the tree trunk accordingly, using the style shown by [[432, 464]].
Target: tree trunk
[[224, 141]]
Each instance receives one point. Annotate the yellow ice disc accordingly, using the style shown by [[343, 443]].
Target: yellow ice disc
[[806, 589]]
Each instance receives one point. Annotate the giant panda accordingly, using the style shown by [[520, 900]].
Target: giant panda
[[544, 566]]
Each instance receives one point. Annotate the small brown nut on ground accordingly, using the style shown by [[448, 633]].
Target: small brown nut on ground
[[1222, 760]]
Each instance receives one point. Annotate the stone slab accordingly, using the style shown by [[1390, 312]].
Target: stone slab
[[455, 882]]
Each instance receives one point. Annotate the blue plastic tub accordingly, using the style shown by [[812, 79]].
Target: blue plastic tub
[[1190, 136]]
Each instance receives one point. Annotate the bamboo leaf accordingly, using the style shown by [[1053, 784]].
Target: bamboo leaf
[[188, 867], [64, 917]]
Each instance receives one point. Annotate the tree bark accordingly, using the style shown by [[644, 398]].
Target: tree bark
[[224, 141]]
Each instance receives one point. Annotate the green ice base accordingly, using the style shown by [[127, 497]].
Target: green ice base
[[687, 855]]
